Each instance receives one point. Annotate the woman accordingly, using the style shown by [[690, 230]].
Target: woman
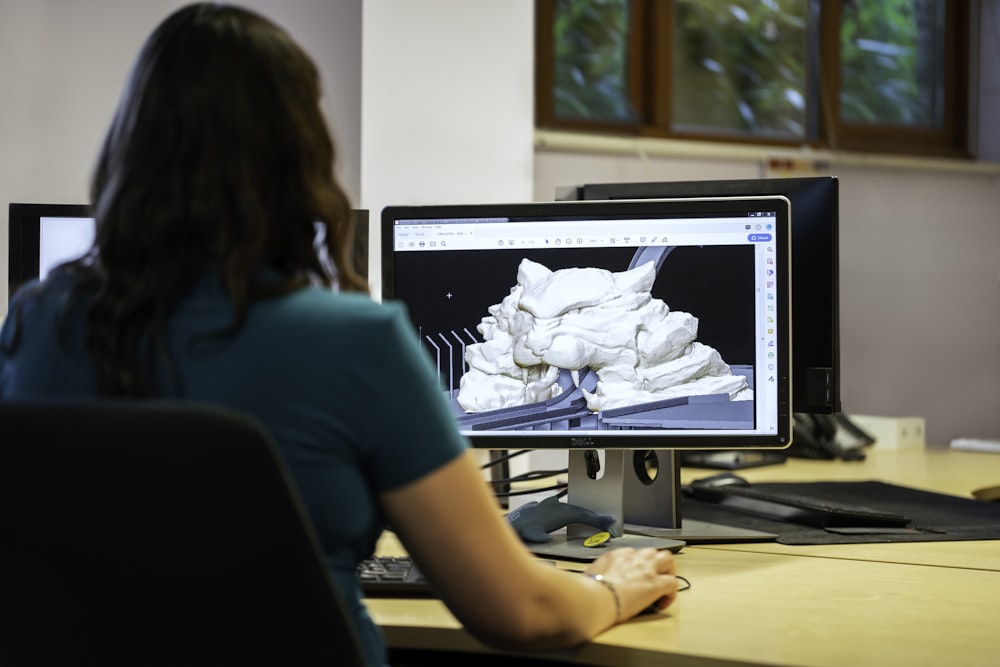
[[205, 283]]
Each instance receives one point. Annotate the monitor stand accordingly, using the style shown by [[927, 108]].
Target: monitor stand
[[645, 499]]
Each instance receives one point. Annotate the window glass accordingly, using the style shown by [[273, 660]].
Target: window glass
[[892, 62], [739, 67], [591, 40]]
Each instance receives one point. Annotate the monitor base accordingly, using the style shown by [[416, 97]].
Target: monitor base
[[700, 532], [649, 504], [572, 548], [565, 547]]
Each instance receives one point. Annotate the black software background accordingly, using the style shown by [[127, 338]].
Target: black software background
[[714, 283]]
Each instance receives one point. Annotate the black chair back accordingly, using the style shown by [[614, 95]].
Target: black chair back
[[156, 533]]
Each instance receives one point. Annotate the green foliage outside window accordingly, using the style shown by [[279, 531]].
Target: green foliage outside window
[[591, 43], [751, 68], [892, 62], [740, 66]]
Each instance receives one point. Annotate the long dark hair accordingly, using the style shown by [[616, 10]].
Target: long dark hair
[[217, 157]]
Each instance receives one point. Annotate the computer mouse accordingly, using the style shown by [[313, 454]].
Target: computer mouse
[[722, 479]]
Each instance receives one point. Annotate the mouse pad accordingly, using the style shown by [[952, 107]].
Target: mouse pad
[[935, 517]]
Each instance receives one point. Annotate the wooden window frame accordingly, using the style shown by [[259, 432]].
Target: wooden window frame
[[649, 91]]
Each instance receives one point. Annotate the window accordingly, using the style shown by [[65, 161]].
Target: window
[[868, 75]]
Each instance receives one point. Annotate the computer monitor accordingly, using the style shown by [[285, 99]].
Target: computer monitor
[[623, 326], [42, 236], [815, 268]]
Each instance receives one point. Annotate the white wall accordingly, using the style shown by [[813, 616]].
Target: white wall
[[448, 109], [446, 87], [63, 64]]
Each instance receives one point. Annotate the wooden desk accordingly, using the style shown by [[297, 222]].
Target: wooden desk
[[939, 470], [913, 604]]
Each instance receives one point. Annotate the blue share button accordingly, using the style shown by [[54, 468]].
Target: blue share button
[[758, 238]]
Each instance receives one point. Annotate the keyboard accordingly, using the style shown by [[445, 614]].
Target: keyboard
[[795, 508], [392, 576], [397, 576]]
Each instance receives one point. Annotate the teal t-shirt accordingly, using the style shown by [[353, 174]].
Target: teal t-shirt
[[341, 383]]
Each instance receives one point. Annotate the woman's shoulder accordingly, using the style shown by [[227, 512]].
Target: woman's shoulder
[[326, 307], [41, 294], [357, 304], [39, 305]]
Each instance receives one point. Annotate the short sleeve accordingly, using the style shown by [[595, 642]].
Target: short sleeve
[[413, 429]]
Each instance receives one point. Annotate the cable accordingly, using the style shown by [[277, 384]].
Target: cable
[[525, 492], [503, 458], [531, 476]]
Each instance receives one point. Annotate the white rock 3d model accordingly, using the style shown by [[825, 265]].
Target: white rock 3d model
[[589, 318]]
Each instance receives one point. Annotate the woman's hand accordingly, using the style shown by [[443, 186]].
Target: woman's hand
[[451, 525], [638, 577]]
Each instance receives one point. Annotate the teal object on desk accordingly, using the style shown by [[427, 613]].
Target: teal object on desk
[[534, 521]]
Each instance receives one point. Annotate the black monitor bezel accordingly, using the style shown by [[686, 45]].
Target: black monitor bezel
[[815, 268], [23, 237], [614, 439]]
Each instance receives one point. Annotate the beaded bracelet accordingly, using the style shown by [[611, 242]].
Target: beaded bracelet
[[614, 593]]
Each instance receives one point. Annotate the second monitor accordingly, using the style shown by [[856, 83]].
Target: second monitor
[[815, 268]]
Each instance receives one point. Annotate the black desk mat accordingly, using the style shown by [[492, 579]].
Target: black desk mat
[[934, 517]]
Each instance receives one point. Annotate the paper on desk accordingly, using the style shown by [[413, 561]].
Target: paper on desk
[[976, 444]]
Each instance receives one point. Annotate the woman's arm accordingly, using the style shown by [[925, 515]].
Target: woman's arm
[[451, 525]]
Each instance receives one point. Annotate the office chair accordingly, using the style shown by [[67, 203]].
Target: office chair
[[154, 533]]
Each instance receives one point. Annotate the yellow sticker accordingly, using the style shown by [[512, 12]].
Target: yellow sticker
[[597, 539]]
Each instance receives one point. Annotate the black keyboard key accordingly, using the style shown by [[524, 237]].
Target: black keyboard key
[[392, 576]]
